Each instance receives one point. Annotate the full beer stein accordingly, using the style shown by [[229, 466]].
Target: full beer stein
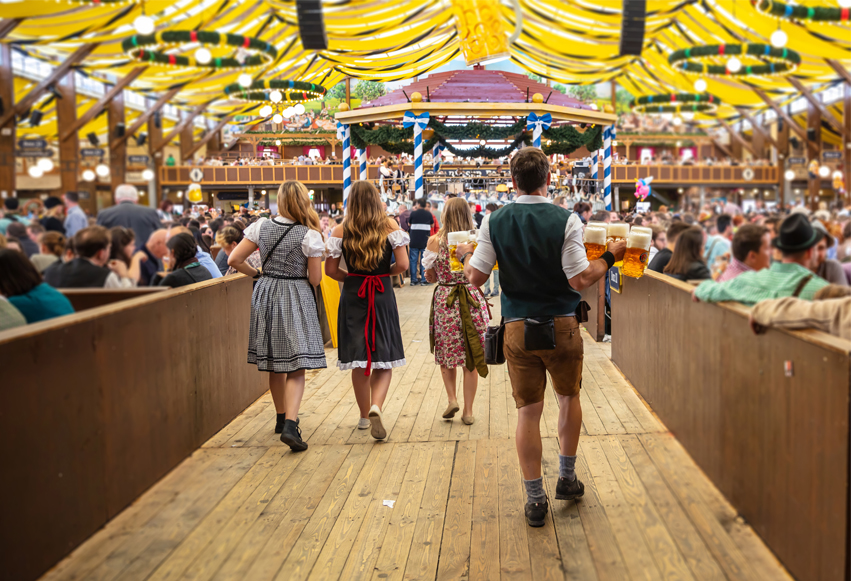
[[454, 239], [637, 252], [615, 232], [595, 242]]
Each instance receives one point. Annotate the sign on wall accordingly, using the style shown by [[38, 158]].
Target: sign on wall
[[196, 174], [32, 143], [138, 159], [91, 152]]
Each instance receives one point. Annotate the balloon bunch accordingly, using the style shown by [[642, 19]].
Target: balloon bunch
[[642, 188]]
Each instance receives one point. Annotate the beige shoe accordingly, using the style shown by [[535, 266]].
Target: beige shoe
[[451, 410], [363, 423], [468, 420], [378, 432]]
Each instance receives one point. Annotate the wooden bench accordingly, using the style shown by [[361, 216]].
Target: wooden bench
[[90, 298], [766, 417], [99, 405]]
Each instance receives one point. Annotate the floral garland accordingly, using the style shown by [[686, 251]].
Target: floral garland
[[149, 48], [676, 103], [783, 60], [291, 91], [794, 12]]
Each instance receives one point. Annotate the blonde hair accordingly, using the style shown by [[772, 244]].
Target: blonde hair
[[365, 228], [228, 235], [456, 217], [294, 203]]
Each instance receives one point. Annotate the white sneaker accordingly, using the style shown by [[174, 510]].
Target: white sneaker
[[378, 432], [607, 338], [363, 423]]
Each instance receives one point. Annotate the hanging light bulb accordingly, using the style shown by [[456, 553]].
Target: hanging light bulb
[[824, 171], [102, 170], [245, 80], [147, 174], [144, 24], [277, 142], [789, 175], [482, 141], [265, 110], [203, 55], [299, 109], [89, 175], [700, 85], [845, 3], [677, 121], [35, 171], [275, 96], [734, 65], [289, 112], [778, 38], [45, 164], [277, 118]]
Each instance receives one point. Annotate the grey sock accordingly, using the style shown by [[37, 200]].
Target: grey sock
[[567, 467], [535, 490]]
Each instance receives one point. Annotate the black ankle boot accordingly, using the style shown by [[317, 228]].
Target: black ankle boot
[[291, 436], [279, 424]]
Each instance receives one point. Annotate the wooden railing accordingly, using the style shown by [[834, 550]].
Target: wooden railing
[[766, 417], [710, 175], [99, 405], [258, 175]]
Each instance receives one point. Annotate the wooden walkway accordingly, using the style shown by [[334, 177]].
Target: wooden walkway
[[244, 507]]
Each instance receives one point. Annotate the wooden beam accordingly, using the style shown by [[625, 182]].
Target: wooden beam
[[802, 133], [96, 109], [146, 115], [183, 123], [155, 135], [840, 70], [8, 25], [58, 74], [846, 142], [766, 135], [722, 147], [69, 150], [349, 91], [808, 95], [117, 155], [814, 152], [187, 138], [215, 131], [8, 169], [737, 137]]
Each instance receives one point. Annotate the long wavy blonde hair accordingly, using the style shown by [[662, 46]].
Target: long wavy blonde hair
[[456, 217], [365, 228], [294, 202]]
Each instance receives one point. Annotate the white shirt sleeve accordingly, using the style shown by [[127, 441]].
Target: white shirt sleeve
[[114, 281], [334, 247], [253, 231], [399, 238], [312, 244], [573, 257], [484, 258], [429, 259]]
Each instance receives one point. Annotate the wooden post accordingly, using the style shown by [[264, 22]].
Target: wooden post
[[214, 145], [782, 157], [349, 91], [814, 152], [614, 97], [846, 143], [187, 140], [155, 136], [757, 142], [69, 148], [117, 154], [7, 131]]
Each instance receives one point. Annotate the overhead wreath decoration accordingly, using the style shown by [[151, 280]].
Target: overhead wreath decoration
[[290, 91], [149, 48], [794, 12], [676, 103], [781, 60]]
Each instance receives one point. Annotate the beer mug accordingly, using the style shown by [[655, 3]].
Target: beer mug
[[595, 242], [637, 252], [454, 239], [615, 232]]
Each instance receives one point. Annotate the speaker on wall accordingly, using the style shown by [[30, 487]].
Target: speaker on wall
[[35, 118], [158, 120], [311, 24], [93, 139], [632, 27], [811, 134], [119, 130], [141, 138]]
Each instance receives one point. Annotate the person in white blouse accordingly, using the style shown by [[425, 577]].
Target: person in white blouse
[[284, 336], [368, 331]]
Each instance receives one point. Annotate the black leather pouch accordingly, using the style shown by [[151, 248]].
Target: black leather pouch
[[582, 310], [540, 334]]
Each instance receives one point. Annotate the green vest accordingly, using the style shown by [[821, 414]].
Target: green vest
[[528, 239]]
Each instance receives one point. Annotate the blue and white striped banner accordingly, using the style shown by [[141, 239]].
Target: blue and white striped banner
[[418, 122], [344, 132], [537, 124], [437, 155], [594, 166], [608, 137], [362, 164]]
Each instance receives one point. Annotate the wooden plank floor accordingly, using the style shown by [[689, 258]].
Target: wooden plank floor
[[245, 507]]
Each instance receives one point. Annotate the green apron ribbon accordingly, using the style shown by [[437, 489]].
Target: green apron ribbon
[[472, 342]]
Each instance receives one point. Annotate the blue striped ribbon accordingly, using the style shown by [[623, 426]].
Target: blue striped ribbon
[[436, 154], [362, 164], [344, 132], [608, 136], [418, 122]]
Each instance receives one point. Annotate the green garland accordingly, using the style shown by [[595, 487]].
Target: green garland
[[676, 103], [299, 143], [292, 91], [476, 130], [783, 60], [794, 12], [149, 48]]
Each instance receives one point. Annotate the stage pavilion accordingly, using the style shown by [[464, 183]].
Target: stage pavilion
[[139, 444]]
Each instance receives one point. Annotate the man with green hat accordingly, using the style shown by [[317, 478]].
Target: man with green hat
[[793, 276]]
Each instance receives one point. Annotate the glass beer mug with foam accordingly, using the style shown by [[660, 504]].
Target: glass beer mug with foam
[[454, 239], [615, 232], [637, 252], [595, 241]]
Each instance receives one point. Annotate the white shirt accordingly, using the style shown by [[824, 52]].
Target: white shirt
[[312, 245], [573, 258], [397, 238]]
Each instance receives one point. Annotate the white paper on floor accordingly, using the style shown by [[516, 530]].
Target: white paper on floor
[[389, 503]]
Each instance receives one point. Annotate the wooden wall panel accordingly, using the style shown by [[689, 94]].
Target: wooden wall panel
[[595, 296], [99, 405], [776, 446]]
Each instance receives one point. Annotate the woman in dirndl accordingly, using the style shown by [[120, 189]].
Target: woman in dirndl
[[368, 331], [459, 314], [284, 336]]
